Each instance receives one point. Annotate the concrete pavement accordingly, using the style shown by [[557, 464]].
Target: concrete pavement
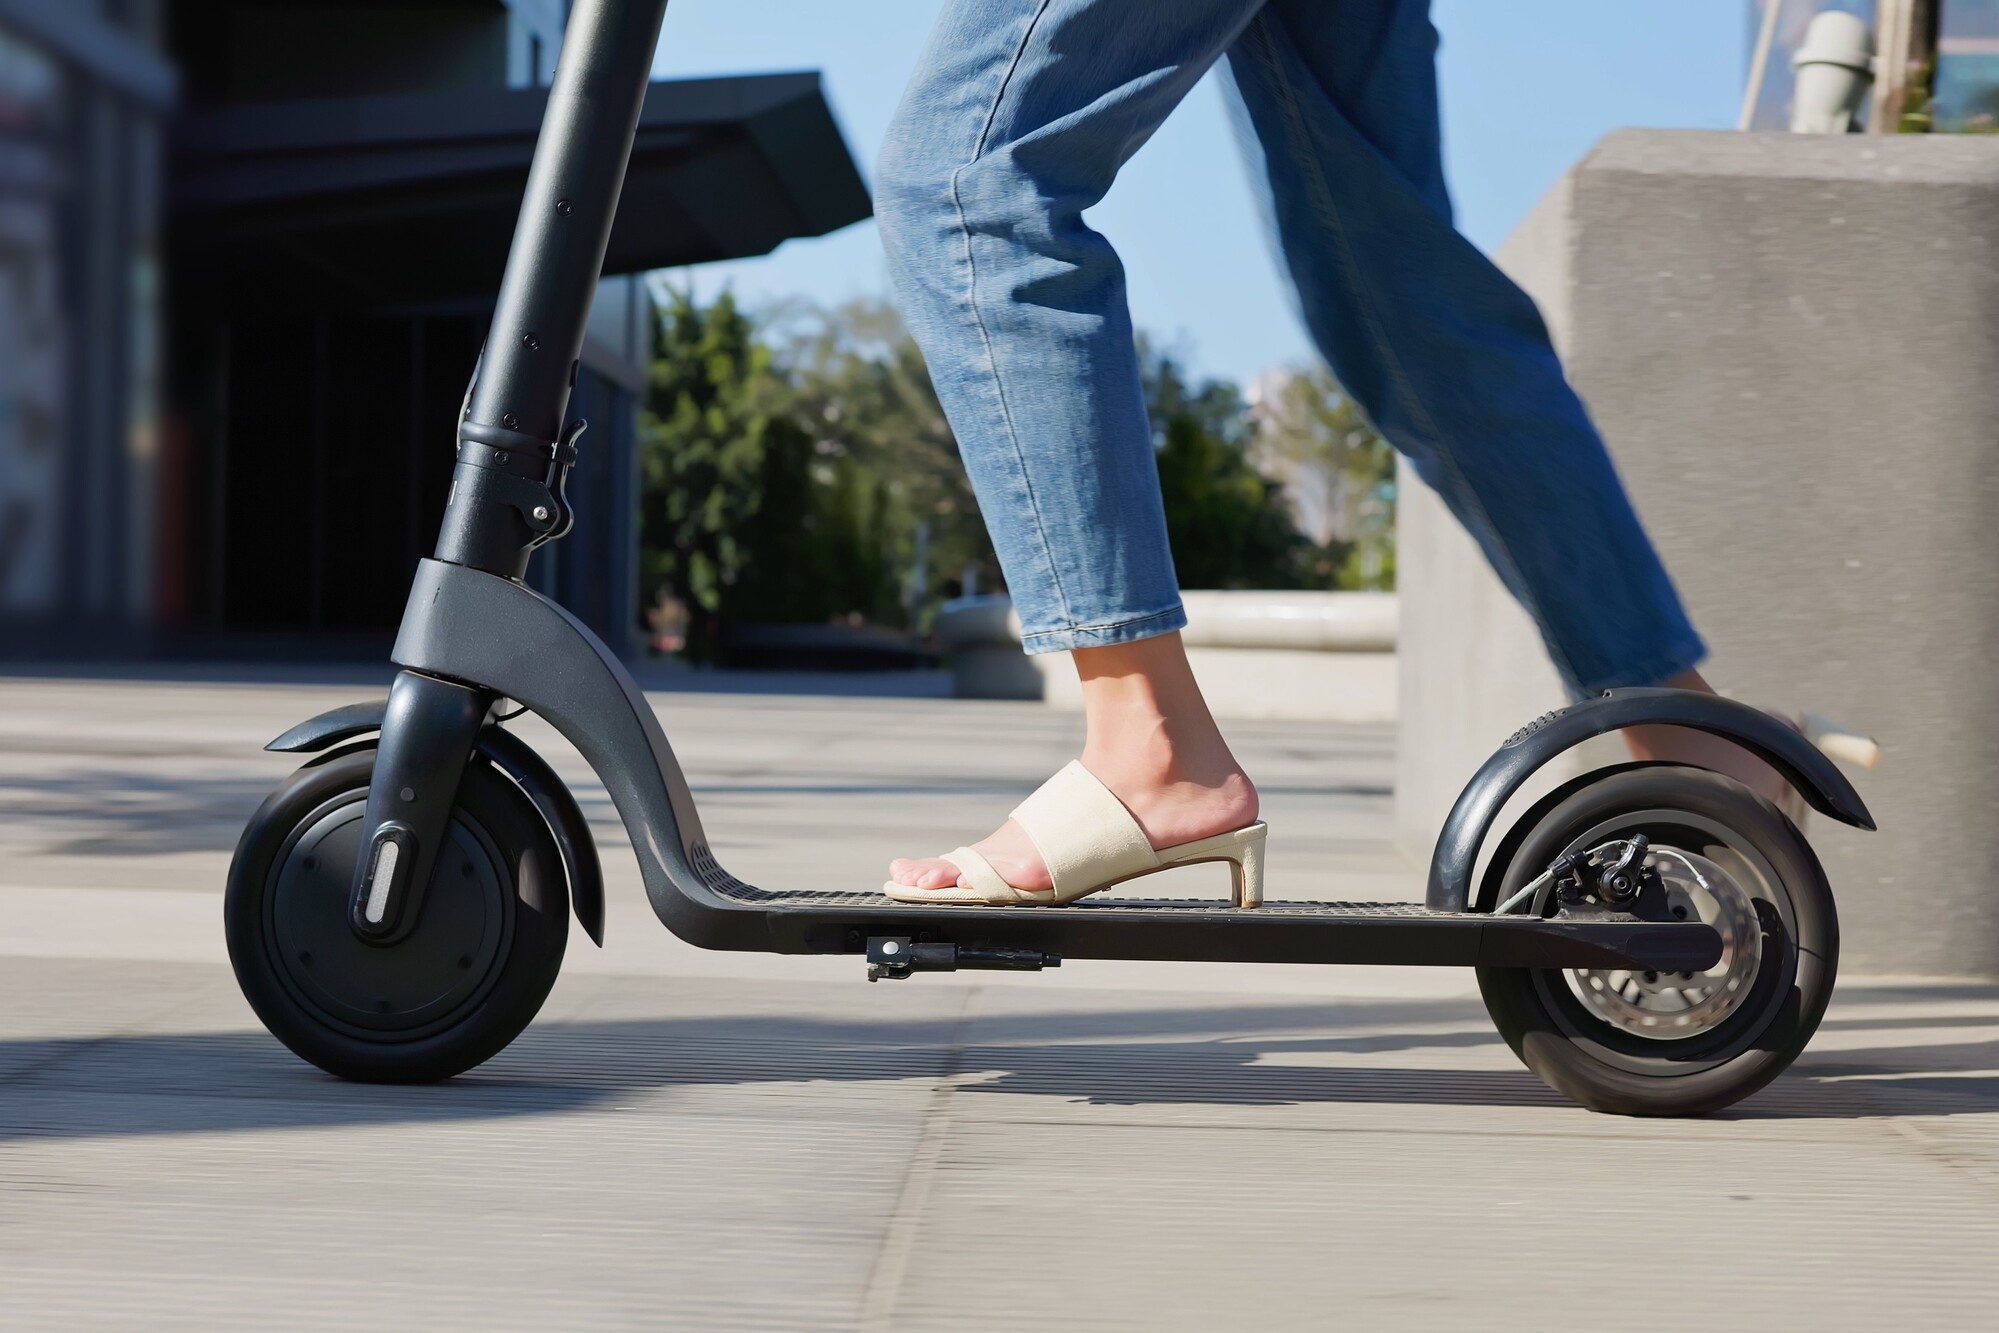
[[704, 1141]]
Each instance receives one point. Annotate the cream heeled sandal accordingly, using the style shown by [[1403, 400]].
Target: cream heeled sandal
[[1090, 842]]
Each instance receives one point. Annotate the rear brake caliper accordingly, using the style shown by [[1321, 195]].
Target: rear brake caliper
[[1615, 875]]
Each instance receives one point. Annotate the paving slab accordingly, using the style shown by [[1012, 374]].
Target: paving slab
[[704, 1141]]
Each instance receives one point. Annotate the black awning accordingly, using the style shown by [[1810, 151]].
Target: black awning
[[404, 201]]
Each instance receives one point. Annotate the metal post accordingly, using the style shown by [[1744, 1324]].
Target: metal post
[[1907, 42]]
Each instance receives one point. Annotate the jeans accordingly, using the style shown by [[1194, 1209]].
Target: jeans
[[1017, 120]]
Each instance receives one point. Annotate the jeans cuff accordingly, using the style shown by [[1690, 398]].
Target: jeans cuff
[[1684, 655], [1101, 636]]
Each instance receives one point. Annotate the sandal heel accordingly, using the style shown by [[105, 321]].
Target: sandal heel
[[1246, 875]]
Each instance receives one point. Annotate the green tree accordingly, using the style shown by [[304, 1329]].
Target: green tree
[[1228, 524], [1338, 470], [787, 480], [861, 389], [792, 473], [705, 436], [740, 520]]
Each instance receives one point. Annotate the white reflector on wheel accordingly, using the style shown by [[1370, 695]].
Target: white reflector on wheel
[[385, 873]]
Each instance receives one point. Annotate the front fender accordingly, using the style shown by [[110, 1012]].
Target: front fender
[[512, 756], [332, 727], [1817, 779]]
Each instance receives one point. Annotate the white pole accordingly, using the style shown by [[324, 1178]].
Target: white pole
[[1766, 37], [1894, 24]]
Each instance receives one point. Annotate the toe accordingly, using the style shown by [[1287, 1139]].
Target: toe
[[927, 872]]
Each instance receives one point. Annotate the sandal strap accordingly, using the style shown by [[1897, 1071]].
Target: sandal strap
[[978, 872], [1083, 832]]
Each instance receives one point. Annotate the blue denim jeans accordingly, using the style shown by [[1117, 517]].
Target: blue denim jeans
[[1018, 119]]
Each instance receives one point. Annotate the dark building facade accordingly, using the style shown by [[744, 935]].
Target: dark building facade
[[308, 250], [84, 95]]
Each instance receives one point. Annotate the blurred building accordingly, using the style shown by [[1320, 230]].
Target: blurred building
[[1964, 84], [84, 93], [247, 253]]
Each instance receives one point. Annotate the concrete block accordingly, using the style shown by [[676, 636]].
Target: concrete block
[[1254, 684], [1471, 669], [981, 637], [1471, 660], [1308, 656], [1328, 622], [1788, 342], [1320, 656]]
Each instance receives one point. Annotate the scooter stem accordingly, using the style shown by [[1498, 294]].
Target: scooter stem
[[514, 447], [513, 434]]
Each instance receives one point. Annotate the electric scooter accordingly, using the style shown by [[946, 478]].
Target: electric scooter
[[1650, 939]]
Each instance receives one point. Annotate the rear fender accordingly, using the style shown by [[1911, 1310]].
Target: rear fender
[[1817, 779]]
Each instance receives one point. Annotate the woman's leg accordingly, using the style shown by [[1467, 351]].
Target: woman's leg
[[1447, 355], [1017, 120]]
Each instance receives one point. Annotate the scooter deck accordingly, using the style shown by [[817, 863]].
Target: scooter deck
[[704, 904], [1385, 934]]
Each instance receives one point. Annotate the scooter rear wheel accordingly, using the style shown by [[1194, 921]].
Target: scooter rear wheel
[[451, 995], [1642, 1043]]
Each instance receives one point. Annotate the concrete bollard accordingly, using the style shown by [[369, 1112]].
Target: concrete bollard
[[1788, 341]]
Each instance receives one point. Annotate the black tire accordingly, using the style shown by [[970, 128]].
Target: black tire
[[1582, 1038], [465, 982]]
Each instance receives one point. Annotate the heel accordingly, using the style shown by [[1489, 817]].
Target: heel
[[1842, 743], [1246, 875]]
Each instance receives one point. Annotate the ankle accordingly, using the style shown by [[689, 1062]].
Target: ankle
[[1151, 752], [1134, 757], [1146, 724]]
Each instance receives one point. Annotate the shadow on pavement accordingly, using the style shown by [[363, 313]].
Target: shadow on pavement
[[119, 812], [116, 811], [1227, 1057]]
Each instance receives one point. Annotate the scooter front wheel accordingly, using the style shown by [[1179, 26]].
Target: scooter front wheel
[[1684, 1043], [453, 993]]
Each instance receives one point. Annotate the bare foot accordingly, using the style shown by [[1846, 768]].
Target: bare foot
[[1684, 745], [1151, 740]]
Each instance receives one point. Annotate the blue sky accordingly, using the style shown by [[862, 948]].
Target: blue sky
[[1528, 86]]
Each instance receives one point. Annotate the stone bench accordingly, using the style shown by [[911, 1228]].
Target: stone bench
[[1327, 656]]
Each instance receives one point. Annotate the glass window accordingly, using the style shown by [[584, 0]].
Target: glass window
[[32, 330], [1967, 82]]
